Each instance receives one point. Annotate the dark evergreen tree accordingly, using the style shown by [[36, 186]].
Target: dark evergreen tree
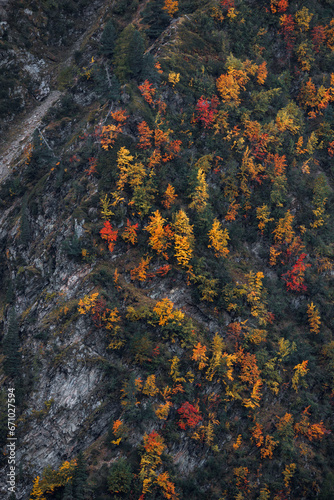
[[11, 344], [155, 18], [115, 90], [80, 478], [108, 40], [129, 54], [120, 477], [149, 72], [128, 7], [122, 51], [136, 54], [68, 491]]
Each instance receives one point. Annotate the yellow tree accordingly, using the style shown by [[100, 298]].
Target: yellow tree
[[175, 371], [169, 197], [264, 493], [160, 234], [165, 311], [262, 214], [140, 272], [229, 89], [313, 318], [181, 225], [218, 239], [105, 202], [283, 231], [255, 296], [150, 388], [171, 6], [183, 238], [288, 474], [168, 488], [254, 400], [303, 18], [88, 303], [216, 357], [173, 77], [199, 355], [320, 197], [183, 250], [130, 233], [300, 371], [124, 159], [268, 448], [289, 118], [162, 411], [200, 195], [37, 493], [130, 173]]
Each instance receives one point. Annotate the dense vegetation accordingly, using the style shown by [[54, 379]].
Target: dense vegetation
[[208, 156]]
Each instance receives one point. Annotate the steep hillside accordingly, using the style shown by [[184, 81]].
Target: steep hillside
[[167, 240]]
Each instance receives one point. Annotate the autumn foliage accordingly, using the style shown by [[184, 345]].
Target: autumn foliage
[[294, 278], [218, 239], [130, 233], [189, 416], [171, 6], [313, 318], [206, 110], [278, 5], [109, 234], [217, 177], [148, 91]]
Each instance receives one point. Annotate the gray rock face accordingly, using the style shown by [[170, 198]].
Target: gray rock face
[[65, 411], [66, 408]]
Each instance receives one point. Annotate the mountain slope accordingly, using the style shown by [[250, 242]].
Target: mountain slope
[[168, 258]]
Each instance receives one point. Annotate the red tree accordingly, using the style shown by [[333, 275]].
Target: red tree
[[206, 110], [318, 37], [287, 30], [147, 90], [294, 278], [109, 234], [189, 416], [227, 4]]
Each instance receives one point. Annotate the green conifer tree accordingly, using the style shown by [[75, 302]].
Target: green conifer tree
[[122, 51], [115, 91], [148, 71], [136, 54], [80, 478], [120, 477], [155, 18], [68, 491], [108, 40]]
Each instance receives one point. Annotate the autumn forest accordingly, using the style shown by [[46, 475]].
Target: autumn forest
[[202, 173]]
